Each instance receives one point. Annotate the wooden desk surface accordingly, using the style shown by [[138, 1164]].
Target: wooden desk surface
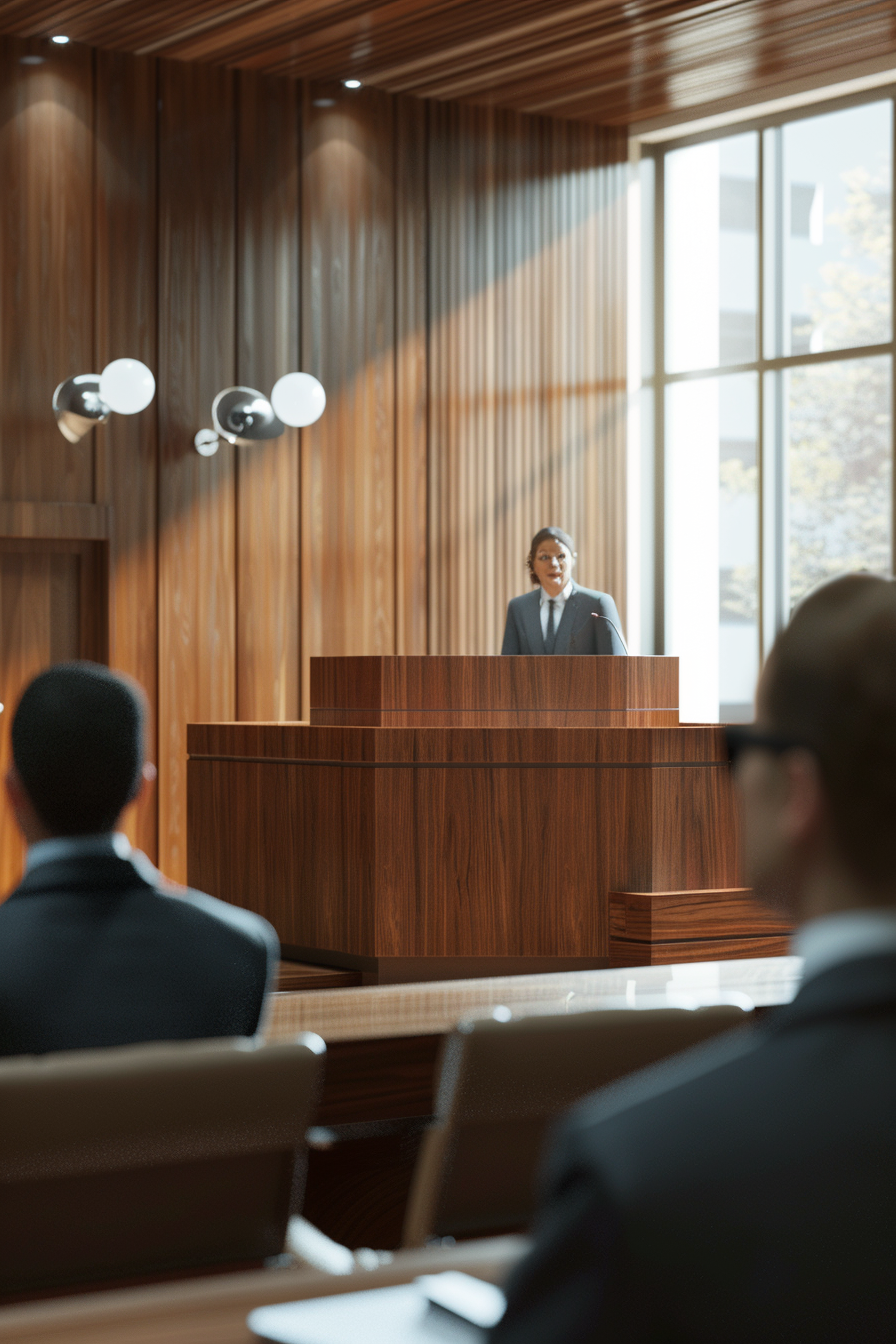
[[214, 1310], [389, 1011]]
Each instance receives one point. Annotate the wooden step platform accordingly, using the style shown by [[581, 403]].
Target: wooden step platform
[[302, 975], [662, 928]]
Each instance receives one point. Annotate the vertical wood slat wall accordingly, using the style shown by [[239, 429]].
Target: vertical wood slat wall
[[454, 276], [526, 360]]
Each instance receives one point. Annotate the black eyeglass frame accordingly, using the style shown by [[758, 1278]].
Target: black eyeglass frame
[[741, 737]]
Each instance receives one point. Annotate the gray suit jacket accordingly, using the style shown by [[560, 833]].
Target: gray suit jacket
[[578, 632]]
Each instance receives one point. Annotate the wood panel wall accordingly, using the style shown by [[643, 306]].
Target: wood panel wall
[[454, 276], [527, 360]]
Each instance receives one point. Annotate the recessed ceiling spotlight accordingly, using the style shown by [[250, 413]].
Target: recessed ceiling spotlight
[[352, 83], [60, 40], [324, 102]]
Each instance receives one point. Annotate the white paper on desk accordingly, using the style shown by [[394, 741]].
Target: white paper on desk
[[401, 1315]]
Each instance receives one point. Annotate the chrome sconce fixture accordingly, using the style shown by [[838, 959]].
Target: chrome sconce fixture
[[242, 415], [125, 386]]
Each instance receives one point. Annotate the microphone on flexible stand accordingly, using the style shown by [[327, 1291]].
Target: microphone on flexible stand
[[598, 616]]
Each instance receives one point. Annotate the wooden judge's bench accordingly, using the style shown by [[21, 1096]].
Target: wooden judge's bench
[[448, 817]]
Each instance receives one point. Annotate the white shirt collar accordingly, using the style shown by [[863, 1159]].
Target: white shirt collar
[[561, 597], [77, 847], [830, 939]]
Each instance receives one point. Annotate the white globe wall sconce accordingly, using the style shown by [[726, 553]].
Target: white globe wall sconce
[[126, 386], [241, 415]]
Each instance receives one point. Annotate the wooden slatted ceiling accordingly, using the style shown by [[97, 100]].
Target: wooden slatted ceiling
[[604, 60]]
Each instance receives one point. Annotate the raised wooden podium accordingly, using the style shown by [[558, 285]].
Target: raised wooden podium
[[516, 692], [447, 817]]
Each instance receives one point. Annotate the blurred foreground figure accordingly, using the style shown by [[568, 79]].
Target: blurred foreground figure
[[96, 948], [746, 1190]]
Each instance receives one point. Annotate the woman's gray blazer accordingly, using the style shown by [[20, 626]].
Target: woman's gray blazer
[[578, 631]]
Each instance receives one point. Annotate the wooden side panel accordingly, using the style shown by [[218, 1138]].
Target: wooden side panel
[[127, 325], [527, 351], [441, 842], [696, 832], [268, 240], [197, 551], [348, 335], [295, 843], [496, 874], [46, 267]]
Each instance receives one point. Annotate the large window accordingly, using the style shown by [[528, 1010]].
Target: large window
[[771, 382]]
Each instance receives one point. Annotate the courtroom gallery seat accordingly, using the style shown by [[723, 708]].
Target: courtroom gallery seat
[[500, 1085], [150, 1159]]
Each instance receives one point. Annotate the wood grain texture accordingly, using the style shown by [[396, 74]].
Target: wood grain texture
[[52, 601], [527, 384], [127, 447], [378, 1079], [650, 917], [626, 952], [442, 842], [296, 975], [411, 178], [74, 522], [181, 214], [46, 268], [348, 337], [197, 513], [268, 245], [522, 691], [603, 60], [356, 1192], [213, 1309]]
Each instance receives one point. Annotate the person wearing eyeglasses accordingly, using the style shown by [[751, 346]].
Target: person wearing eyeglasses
[[746, 1190], [560, 616]]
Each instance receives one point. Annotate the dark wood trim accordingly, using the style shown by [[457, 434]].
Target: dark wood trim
[[468, 765]]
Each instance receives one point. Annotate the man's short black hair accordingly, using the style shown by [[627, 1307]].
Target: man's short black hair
[[77, 745]]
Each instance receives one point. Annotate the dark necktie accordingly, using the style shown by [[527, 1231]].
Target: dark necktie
[[550, 638]]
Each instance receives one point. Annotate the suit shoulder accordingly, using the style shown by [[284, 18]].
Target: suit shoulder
[[516, 602], [233, 917], [593, 595]]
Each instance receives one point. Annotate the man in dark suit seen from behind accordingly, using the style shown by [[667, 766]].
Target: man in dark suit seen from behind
[[746, 1190], [96, 947]]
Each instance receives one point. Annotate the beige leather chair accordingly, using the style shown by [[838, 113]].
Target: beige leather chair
[[500, 1085], [147, 1160]]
